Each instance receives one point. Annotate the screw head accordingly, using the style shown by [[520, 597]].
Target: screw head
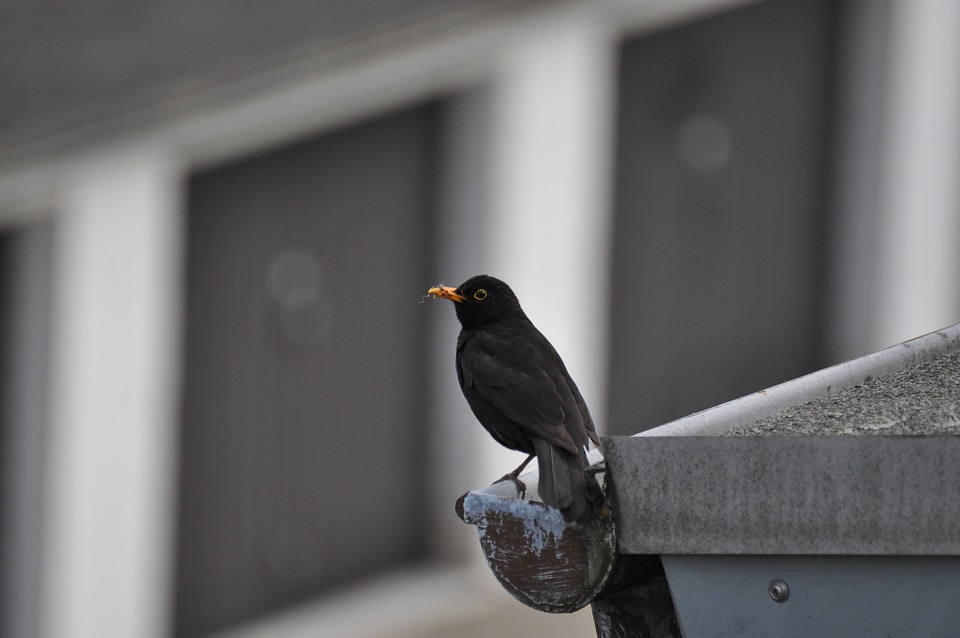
[[779, 590]]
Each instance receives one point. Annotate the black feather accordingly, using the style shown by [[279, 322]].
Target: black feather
[[520, 391]]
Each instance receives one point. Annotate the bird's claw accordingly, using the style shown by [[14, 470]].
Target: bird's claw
[[520, 485], [599, 468]]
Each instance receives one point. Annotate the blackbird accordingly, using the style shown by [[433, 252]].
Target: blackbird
[[520, 391]]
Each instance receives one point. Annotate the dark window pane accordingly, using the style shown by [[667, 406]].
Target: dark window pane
[[26, 262], [303, 399], [719, 212]]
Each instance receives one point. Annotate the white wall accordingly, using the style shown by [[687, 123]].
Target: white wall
[[111, 458]]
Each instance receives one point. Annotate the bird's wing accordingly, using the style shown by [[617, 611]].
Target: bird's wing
[[511, 376], [588, 424]]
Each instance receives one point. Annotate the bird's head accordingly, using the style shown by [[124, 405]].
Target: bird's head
[[480, 300]]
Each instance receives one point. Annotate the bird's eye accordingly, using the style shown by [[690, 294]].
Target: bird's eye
[[480, 295]]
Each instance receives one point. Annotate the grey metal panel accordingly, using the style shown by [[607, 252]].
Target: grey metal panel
[[727, 416], [849, 596], [786, 495]]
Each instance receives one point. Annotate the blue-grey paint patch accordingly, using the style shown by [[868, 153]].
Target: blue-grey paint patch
[[541, 560], [542, 525]]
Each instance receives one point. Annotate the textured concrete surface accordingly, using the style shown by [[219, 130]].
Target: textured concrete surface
[[774, 400], [921, 400]]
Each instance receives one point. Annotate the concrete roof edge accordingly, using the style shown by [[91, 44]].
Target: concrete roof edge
[[724, 417]]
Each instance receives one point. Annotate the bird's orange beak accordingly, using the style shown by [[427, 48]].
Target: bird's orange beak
[[447, 292]]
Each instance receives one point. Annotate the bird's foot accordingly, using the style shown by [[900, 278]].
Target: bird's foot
[[521, 486], [599, 468]]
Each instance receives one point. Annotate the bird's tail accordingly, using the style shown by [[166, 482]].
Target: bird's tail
[[564, 482]]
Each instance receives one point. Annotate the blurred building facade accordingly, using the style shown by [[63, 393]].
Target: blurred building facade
[[224, 410]]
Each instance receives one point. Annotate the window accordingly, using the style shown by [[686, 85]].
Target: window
[[720, 183], [303, 413]]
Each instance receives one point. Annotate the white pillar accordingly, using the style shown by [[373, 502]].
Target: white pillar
[[552, 120], [114, 364], [919, 246]]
